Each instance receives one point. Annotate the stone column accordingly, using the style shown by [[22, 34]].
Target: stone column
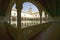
[[9, 18], [19, 30], [40, 16], [45, 16]]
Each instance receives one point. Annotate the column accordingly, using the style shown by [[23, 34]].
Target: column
[[19, 30], [9, 18], [40, 16], [45, 16]]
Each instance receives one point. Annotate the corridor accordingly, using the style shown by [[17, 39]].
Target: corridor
[[51, 33], [42, 23]]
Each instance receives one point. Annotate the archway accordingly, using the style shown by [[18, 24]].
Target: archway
[[13, 17], [29, 15]]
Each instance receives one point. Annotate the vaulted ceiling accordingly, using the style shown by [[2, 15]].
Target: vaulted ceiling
[[3, 6], [52, 6]]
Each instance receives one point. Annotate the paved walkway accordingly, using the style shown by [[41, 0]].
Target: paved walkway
[[4, 34], [52, 33]]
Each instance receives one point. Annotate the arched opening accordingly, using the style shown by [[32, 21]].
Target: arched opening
[[29, 15], [13, 16]]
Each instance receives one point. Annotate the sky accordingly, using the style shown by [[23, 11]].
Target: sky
[[26, 6]]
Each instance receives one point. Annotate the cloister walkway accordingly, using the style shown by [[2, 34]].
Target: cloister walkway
[[51, 33]]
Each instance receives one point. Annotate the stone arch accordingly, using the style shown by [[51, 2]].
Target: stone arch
[[32, 19], [39, 6], [8, 13], [19, 7], [10, 5], [19, 3]]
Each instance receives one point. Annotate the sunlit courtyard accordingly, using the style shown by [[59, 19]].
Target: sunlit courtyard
[[29, 15]]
